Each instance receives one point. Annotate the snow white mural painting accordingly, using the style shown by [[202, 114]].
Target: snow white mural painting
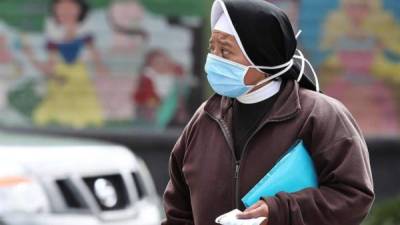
[[84, 67], [71, 98]]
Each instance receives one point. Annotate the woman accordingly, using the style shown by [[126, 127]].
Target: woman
[[264, 103]]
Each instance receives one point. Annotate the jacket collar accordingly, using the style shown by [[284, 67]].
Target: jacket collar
[[285, 107]]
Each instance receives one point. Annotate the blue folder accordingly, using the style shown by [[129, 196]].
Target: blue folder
[[295, 171]]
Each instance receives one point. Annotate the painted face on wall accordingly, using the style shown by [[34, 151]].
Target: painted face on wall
[[67, 12], [357, 11], [126, 14]]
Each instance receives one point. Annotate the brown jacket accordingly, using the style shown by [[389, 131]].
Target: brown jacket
[[206, 180]]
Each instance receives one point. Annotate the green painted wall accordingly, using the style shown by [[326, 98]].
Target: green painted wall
[[15, 12]]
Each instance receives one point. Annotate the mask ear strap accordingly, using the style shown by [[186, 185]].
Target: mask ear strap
[[298, 34], [303, 61], [288, 65], [315, 75], [274, 67], [301, 56]]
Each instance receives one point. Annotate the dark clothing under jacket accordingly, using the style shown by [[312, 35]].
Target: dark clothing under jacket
[[206, 179]]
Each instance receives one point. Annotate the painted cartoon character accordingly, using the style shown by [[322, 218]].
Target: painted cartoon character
[[356, 35], [71, 97], [157, 97], [125, 18]]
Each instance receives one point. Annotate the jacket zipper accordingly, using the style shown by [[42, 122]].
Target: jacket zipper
[[225, 131], [243, 153], [241, 156], [237, 169], [229, 139], [237, 180]]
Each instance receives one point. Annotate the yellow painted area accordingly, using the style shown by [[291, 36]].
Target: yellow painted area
[[71, 99]]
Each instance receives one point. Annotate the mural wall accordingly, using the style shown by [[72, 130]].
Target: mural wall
[[93, 64], [355, 44], [124, 63]]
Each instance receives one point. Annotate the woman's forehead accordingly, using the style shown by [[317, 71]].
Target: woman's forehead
[[220, 35]]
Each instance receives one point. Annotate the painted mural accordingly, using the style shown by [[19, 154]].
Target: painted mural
[[122, 63], [361, 40], [355, 44], [93, 64]]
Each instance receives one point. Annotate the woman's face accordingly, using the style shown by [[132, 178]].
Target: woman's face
[[225, 45], [67, 12]]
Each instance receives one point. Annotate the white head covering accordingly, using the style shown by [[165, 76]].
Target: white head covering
[[220, 20], [223, 24]]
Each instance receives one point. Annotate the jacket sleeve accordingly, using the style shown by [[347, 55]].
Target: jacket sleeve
[[176, 196], [345, 192], [176, 199]]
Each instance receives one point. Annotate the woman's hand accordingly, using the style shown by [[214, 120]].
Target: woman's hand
[[259, 209]]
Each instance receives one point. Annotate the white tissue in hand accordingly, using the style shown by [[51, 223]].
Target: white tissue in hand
[[230, 219]]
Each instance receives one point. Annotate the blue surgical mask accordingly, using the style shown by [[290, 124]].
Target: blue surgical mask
[[227, 77]]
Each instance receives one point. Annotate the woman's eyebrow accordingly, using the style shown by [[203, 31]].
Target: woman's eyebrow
[[226, 43]]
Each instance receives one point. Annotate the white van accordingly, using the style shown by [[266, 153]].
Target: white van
[[52, 181]]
